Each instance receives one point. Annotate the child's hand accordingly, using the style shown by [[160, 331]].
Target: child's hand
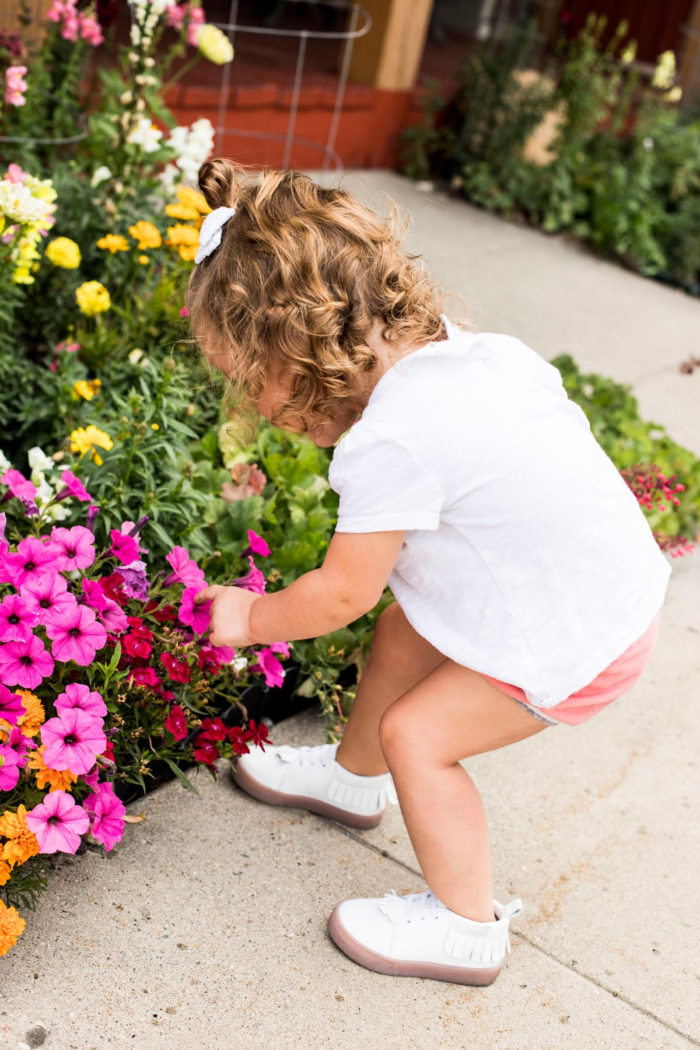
[[229, 616]]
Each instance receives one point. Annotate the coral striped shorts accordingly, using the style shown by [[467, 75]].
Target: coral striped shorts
[[611, 683]]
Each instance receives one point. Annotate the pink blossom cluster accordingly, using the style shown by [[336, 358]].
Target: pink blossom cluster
[[651, 486], [177, 15], [75, 24], [15, 85]]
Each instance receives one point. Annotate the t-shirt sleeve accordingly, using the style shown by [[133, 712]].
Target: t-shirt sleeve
[[382, 487]]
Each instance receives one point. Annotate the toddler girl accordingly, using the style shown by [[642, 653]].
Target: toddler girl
[[527, 581]]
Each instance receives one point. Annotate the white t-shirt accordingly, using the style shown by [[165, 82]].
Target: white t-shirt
[[526, 556]]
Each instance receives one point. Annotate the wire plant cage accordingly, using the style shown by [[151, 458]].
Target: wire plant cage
[[358, 23]]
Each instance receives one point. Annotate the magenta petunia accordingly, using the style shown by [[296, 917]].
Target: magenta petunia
[[4, 546], [31, 559], [11, 706], [270, 667], [22, 489], [108, 813], [74, 548], [82, 698], [25, 664], [9, 767], [253, 581], [16, 619], [124, 548], [185, 569], [73, 740], [58, 822], [73, 487], [48, 597], [257, 544], [77, 637], [21, 745], [280, 647], [194, 616]]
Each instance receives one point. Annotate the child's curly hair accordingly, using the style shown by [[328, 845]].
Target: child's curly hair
[[299, 279]]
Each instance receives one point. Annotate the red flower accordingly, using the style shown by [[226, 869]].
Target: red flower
[[208, 660], [112, 586], [175, 722], [206, 753], [257, 734], [178, 670], [136, 646], [237, 739], [138, 629], [164, 615], [212, 729], [145, 677]]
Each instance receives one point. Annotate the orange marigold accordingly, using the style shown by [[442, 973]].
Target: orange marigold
[[11, 927], [31, 722], [5, 871], [59, 780], [22, 843]]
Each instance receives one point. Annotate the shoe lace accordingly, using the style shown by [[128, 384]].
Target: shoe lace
[[411, 907], [320, 755]]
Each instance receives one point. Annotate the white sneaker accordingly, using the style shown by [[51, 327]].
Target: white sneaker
[[417, 936], [310, 778]]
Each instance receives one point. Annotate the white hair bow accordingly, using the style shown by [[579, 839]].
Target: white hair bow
[[210, 233]]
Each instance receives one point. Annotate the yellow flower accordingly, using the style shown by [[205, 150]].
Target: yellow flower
[[146, 234], [11, 927], [154, 426], [31, 721], [665, 70], [214, 45], [629, 54], [180, 234], [192, 199], [84, 439], [113, 242], [87, 388], [59, 780], [93, 298], [181, 211], [64, 252], [22, 843], [144, 260], [675, 94]]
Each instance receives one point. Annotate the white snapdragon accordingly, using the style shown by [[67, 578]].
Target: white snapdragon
[[101, 174], [18, 204], [4, 463], [145, 135], [193, 146], [39, 461]]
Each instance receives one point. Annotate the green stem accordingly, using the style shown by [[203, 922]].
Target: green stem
[[177, 76]]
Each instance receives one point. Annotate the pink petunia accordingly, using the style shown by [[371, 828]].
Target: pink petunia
[[124, 548], [3, 541], [9, 767], [77, 637], [81, 697], [194, 616], [270, 667], [73, 487], [21, 745], [31, 559], [16, 619], [108, 813], [22, 489], [185, 569], [280, 647], [11, 706], [74, 548], [109, 612], [25, 664], [257, 544], [73, 740], [253, 581], [48, 597], [175, 722], [58, 822]]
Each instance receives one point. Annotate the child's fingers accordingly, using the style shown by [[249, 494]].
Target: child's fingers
[[208, 594]]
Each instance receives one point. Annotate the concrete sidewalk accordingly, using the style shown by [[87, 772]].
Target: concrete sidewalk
[[206, 925]]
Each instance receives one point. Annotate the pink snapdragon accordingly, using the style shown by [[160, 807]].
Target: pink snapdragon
[[74, 548], [185, 569], [15, 85], [25, 664], [107, 812], [80, 697], [75, 24], [73, 740], [58, 822], [77, 637]]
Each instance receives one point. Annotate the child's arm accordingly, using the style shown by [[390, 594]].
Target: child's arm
[[349, 583]]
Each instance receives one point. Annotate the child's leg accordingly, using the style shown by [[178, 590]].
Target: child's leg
[[449, 715], [399, 659]]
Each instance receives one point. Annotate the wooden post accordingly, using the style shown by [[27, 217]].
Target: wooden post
[[689, 67], [389, 55], [10, 23]]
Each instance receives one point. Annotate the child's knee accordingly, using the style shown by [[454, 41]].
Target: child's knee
[[400, 733]]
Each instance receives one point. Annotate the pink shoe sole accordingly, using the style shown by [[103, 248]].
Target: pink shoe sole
[[313, 805], [359, 953]]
